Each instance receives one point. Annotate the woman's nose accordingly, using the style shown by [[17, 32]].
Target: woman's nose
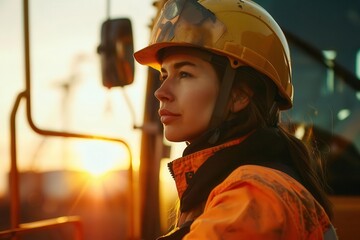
[[163, 93]]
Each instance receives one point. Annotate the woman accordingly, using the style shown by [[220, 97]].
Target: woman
[[226, 74]]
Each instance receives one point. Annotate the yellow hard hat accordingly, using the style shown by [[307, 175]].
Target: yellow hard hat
[[241, 30]]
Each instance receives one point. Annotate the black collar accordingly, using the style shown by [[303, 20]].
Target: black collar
[[265, 147]]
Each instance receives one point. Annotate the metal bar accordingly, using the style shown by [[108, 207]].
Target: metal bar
[[26, 228], [14, 173]]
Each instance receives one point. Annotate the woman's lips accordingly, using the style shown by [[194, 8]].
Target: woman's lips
[[167, 116]]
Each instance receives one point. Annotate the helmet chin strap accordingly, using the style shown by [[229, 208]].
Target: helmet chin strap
[[220, 108], [219, 111]]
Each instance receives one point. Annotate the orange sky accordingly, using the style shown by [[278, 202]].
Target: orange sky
[[64, 37]]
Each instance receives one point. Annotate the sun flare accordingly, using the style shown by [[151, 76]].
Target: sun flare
[[100, 157]]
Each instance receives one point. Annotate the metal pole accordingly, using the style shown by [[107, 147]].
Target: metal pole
[[14, 173]]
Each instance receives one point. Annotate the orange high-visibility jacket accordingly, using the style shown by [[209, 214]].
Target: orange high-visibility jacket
[[253, 202]]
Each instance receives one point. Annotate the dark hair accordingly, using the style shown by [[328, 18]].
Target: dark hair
[[262, 112]]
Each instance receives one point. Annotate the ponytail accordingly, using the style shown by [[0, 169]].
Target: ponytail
[[308, 163]]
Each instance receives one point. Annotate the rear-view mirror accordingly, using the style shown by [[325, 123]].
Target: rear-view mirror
[[116, 53]]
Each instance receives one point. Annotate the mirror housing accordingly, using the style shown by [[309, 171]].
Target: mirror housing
[[116, 53]]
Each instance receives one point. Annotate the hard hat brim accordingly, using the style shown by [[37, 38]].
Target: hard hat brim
[[150, 55]]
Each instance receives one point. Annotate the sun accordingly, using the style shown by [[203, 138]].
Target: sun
[[98, 168], [100, 157]]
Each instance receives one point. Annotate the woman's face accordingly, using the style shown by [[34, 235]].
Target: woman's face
[[187, 94]]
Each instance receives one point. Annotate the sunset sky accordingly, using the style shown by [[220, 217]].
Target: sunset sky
[[64, 36]]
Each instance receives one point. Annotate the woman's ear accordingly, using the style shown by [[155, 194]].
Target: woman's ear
[[238, 102]]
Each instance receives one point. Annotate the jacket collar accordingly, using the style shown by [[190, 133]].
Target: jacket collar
[[184, 168], [198, 173]]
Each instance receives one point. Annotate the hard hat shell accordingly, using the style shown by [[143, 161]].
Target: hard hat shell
[[241, 30]]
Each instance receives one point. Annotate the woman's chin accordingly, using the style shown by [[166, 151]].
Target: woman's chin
[[174, 135]]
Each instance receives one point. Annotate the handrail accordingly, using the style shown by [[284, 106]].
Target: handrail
[[26, 228], [14, 172]]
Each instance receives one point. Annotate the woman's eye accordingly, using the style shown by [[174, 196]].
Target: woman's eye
[[181, 74], [184, 74]]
